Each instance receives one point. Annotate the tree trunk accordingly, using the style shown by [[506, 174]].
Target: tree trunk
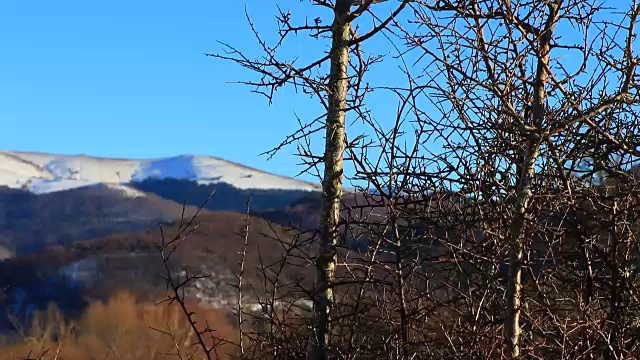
[[516, 252], [524, 191], [332, 181]]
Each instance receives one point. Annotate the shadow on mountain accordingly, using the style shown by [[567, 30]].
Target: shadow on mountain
[[226, 197], [29, 222]]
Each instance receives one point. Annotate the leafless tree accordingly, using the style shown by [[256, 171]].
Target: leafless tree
[[339, 91], [515, 98], [494, 214]]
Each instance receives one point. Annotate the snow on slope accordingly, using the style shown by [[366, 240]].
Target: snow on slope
[[127, 191], [43, 173]]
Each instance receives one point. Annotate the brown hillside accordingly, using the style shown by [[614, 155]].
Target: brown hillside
[[131, 261], [31, 222]]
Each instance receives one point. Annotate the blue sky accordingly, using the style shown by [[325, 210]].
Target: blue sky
[[124, 78], [128, 78]]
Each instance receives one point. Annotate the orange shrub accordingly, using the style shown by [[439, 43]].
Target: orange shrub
[[120, 328]]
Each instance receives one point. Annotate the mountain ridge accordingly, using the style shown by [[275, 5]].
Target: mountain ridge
[[40, 172]]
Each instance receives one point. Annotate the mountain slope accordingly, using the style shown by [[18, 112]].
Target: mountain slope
[[225, 197], [30, 222], [97, 268], [45, 173]]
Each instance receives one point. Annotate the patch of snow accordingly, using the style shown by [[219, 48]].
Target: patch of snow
[[301, 307], [85, 270], [127, 191], [180, 167], [43, 173], [40, 186]]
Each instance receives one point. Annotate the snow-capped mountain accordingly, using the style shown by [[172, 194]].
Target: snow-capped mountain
[[44, 173]]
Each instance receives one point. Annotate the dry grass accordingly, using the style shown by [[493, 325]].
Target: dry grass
[[120, 328]]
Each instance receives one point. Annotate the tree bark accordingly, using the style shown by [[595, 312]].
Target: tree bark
[[524, 190], [516, 252], [332, 181]]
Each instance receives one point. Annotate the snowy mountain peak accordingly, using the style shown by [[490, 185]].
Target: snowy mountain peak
[[43, 173]]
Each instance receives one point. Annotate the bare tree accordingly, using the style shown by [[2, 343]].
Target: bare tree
[[521, 109], [339, 92], [495, 211]]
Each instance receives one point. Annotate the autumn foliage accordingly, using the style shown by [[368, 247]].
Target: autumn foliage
[[119, 328]]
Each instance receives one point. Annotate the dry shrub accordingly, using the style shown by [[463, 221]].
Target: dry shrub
[[120, 328]]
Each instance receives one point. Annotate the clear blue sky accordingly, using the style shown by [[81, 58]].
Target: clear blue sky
[[129, 78]]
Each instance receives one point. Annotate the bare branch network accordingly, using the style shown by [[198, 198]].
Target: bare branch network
[[495, 213]]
